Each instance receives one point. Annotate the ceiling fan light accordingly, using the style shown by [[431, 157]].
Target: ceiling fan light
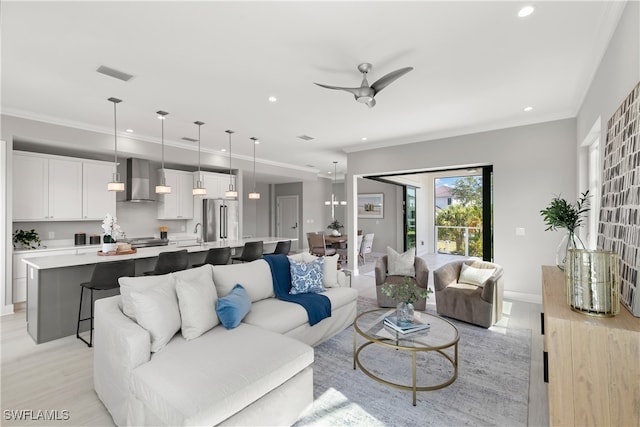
[[254, 196], [364, 99]]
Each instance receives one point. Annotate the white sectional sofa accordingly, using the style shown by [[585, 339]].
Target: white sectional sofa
[[258, 373]]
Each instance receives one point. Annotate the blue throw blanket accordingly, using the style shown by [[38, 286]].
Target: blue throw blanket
[[317, 306]]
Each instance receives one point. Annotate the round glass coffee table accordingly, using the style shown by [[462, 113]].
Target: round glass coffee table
[[439, 336]]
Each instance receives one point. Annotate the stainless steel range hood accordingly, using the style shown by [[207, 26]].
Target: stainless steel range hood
[[138, 185]]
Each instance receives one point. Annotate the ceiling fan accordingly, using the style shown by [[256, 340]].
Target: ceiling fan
[[366, 93]]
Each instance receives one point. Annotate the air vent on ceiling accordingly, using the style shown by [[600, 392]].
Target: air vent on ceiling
[[120, 75], [306, 137], [186, 138]]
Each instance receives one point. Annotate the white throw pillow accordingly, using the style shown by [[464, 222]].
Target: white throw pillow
[[401, 264], [139, 284], [475, 276], [329, 269], [197, 301], [156, 310], [255, 277]]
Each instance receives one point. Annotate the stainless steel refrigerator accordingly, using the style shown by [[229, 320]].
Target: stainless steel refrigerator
[[220, 219]]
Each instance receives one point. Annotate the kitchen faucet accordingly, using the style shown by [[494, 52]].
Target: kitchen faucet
[[195, 231]]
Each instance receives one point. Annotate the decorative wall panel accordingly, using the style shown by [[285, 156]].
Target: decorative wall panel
[[619, 225]]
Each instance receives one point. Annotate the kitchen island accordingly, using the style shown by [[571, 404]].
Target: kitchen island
[[53, 282]]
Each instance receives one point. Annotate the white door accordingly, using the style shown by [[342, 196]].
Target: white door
[[287, 221]]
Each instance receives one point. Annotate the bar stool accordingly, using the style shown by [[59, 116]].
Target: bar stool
[[282, 247], [216, 256], [250, 252], [104, 277], [168, 262]]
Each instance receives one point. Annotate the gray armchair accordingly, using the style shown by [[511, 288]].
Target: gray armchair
[[421, 280], [480, 305]]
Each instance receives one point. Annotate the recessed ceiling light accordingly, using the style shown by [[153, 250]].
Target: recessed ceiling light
[[528, 108], [224, 149], [130, 130], [272, 99], [525, 11], [364, 138]]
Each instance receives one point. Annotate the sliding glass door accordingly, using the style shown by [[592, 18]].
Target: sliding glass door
[[409, 217]]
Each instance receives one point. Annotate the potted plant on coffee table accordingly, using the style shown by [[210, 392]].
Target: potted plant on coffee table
[[405, 294]]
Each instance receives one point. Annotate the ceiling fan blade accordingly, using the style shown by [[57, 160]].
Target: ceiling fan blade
[[385, 81], [353, 90], [371, 103]]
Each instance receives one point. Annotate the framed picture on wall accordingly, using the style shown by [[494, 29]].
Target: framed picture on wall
[[371, 205]]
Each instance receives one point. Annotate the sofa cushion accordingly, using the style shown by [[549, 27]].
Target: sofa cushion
[[255, 276], [156, 310], [232, 308], [329, 269], [129, 284], [234, 369], [401, 264], [282, 316], [197, 301], [306, 277], [475, 276]]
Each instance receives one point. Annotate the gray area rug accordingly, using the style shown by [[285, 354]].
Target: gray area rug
[[492, 387]]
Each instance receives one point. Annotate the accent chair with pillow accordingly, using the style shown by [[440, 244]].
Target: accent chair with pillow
[[394, 267], [470, 291]]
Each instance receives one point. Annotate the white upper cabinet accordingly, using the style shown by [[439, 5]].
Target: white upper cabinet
[[65, 189], [30, 188], [96, 200], [55, 188], [179, 203]]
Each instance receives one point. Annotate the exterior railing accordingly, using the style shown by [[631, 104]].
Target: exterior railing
[[457, 236]]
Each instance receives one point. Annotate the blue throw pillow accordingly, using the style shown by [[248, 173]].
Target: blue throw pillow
[[232, 308], [306, 277]]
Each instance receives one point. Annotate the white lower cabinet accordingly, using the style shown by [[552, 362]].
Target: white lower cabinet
[[179, 203]]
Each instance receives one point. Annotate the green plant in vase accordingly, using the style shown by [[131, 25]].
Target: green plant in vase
[[405, 294], [336, 227], [562, 214], [23, 239]]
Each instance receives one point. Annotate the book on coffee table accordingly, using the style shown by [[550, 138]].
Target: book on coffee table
[[415, 326]]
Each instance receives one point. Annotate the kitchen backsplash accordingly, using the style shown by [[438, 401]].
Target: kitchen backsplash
[[135, 219]]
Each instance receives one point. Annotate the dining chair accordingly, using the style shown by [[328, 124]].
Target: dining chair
[[318, 246], [366, 246]]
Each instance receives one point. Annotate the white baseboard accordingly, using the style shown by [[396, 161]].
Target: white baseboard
[[523, 296], [7, 309]]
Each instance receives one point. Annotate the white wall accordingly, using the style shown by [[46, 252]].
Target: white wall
[[387, 230], [531, 164], [5, 238]]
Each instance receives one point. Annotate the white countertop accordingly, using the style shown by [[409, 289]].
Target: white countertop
[[59, 261]]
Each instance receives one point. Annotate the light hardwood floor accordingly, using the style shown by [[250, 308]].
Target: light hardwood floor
[[58, 375]]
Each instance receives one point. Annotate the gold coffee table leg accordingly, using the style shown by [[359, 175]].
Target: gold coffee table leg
[[415, 381]]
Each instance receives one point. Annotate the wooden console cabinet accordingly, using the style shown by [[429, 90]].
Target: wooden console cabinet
[[593, 362]]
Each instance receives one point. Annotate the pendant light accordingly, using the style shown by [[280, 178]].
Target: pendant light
[[199, 189], [231, 193], [115, 185], [254, 195], [163, 188], [334, 202]]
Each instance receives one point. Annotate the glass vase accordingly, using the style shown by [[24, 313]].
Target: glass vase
[[404, 313], [569, 241]]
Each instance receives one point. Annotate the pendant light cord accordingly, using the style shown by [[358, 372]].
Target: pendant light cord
[[230, 174], [115, 136]]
